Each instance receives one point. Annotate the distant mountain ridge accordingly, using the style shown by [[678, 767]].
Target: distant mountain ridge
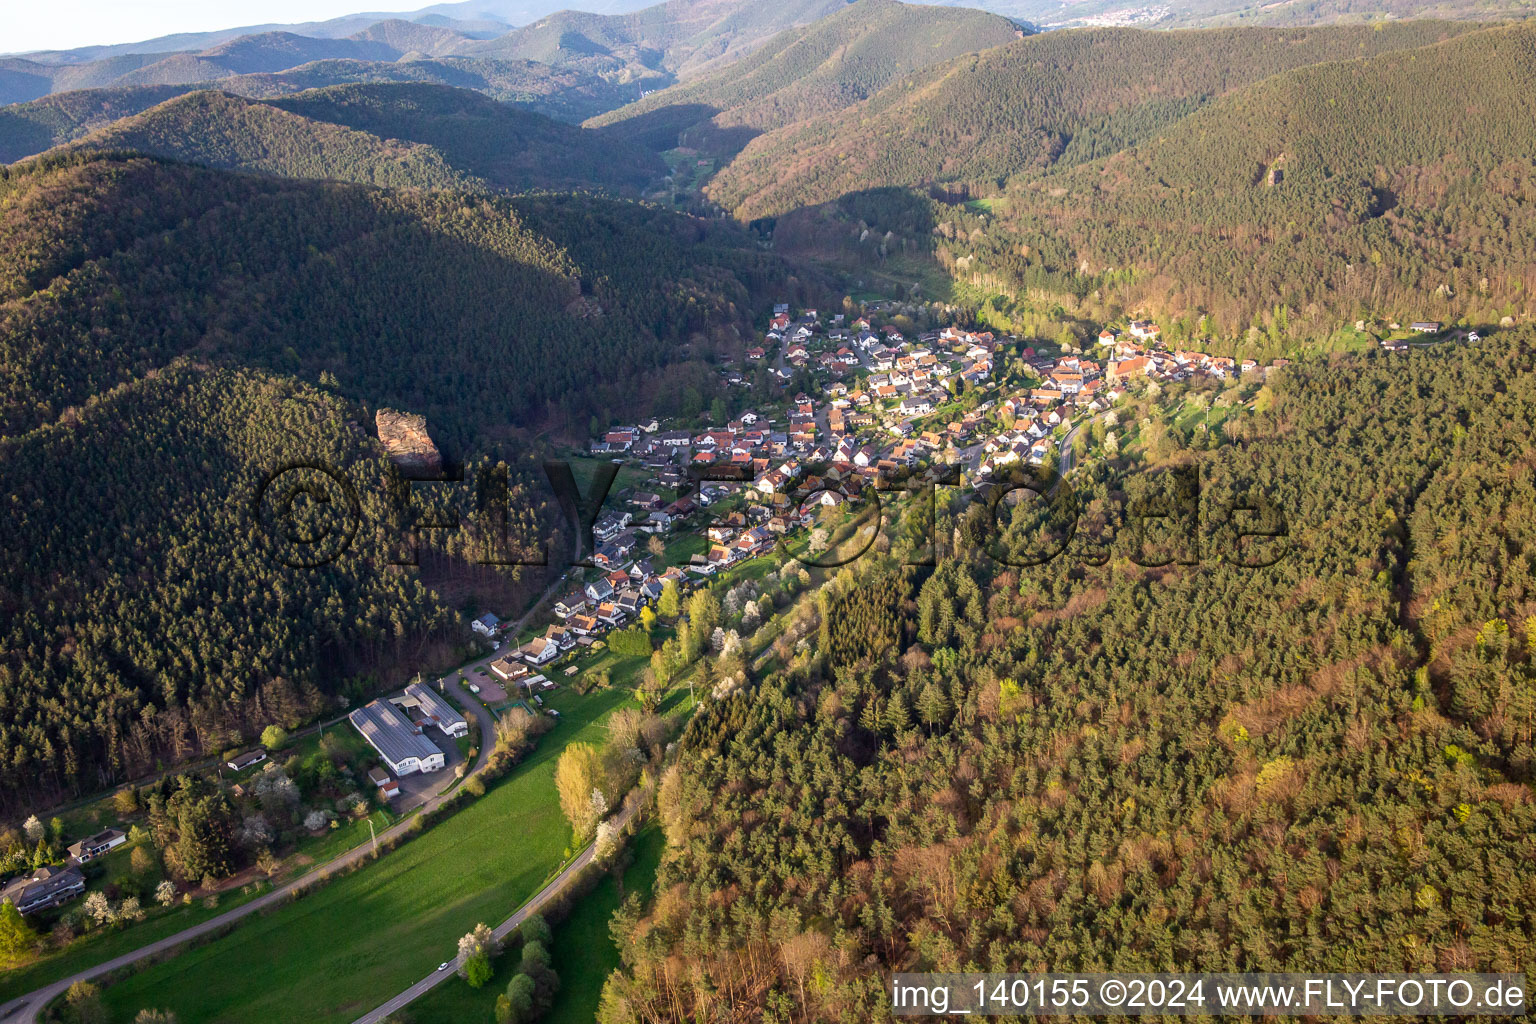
[[826, 66], [623, 48], [668, 41], [564, 94], [489, 18], [484, 18], [400, 136], [266, 52]]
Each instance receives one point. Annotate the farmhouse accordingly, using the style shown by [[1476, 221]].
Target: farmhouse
[[399, 743]]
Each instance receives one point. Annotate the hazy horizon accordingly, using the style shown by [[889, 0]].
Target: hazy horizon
[[70, 24]]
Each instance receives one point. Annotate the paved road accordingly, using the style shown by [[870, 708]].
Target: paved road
[[1068, 457], [501, 931]]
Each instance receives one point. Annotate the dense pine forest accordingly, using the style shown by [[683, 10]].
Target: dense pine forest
[[1282, 197], [1091, 764], [145, 617], [1049, 100]]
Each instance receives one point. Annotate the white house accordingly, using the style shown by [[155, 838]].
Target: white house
[[540, 651], [94, 846]]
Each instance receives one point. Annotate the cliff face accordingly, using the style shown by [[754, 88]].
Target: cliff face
[[410, 447]]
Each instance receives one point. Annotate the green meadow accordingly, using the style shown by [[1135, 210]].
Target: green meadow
[[350, 945], [583, 952]]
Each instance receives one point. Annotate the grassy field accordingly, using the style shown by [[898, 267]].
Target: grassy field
[[584, 468], [583, 953], [337, 953], [105, 945]]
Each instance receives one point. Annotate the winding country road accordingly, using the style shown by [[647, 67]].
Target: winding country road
[[556, 885]]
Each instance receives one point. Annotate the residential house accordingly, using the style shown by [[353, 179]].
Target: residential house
[[91, 847], [570, 604], [45, 888], [561, 637], [629, 601], [539, 651], [510, 671], [610, 524], [243, 761]]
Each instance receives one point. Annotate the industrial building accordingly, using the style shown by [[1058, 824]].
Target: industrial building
[[437, 710], [398, 741]]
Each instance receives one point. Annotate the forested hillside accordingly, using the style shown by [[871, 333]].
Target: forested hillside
[[445, 304], [1401, 185], [154, 318], [27, 129], [841, 59], [421, 136], [1058, 98], [1092, 765], [145, 617]]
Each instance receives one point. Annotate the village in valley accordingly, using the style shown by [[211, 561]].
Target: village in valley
[[728, 506], [851, 399]]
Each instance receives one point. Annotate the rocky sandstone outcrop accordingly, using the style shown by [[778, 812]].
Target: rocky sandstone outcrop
[[410, 447]]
